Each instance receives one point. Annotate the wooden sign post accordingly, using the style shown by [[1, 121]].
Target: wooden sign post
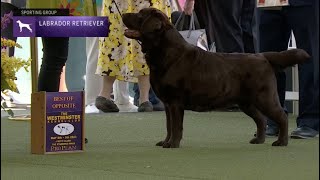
[[57, 122]]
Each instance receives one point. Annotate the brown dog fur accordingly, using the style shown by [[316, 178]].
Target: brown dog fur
[[185, 77]]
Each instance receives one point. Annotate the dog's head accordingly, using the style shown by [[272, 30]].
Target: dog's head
[[147, 25], [18, 21]]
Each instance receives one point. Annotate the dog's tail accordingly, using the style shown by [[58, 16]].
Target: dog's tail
[[284, 59]]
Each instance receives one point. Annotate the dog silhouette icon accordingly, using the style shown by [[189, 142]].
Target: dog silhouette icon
[[23, 25]]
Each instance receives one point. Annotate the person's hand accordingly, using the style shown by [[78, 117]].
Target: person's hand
[[188, 7]]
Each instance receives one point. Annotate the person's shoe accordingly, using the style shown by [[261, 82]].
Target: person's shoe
[[158, 107], [270, 132], [106, 105], [91, 108], [145, 107], [304, 133], [127, 107]]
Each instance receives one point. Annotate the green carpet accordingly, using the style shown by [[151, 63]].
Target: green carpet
[[122, 146]]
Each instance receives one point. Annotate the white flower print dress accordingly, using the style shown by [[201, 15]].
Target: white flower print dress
[[119, 56]]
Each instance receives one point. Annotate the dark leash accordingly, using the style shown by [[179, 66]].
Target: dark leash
[[117, 7], [114, 2]]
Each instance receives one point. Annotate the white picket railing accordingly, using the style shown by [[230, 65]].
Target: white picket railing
[[294, 94]]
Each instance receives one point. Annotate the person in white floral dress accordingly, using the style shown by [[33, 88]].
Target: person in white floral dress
[[121, 58]]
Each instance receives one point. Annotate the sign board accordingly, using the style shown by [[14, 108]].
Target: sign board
[[57, 122]]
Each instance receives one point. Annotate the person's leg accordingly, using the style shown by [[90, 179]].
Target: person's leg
[[136, 94], [107, 85], [144, 87], [227, 31], [203, 12], [153, 97], [103, 101], [155, 101], [247, 24], [55, 54], [121, 92], [121, 96], [76, 64], [63, 86], [316, 63], [274, 34], [93, 82], [304, 29]]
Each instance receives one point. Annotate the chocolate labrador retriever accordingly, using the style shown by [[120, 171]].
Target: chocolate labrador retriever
[[185, 77]]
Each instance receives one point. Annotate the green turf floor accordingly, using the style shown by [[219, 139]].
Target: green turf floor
[[122, 146]]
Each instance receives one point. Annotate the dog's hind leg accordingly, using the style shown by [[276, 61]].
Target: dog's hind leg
[[259, 119], [270, 106], [169, 125], [176, 113]]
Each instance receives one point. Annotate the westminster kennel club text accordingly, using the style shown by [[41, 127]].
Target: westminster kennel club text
[[71, 23]]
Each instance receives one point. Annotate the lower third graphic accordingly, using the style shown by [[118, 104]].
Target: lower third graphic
[[60, 26]]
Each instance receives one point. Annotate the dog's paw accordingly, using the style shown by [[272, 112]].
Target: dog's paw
[[257, 141], [280, 143], [171, 145], [160, 143]]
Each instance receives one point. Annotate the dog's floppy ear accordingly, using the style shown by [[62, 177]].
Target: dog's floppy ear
[[156, 21], [151, 24]]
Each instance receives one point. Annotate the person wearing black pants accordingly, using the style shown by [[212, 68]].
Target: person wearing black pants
[[275, 28], [228, 23], [55, 55]]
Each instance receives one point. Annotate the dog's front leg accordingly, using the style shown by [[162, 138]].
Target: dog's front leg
[[176, 113], [168, 117]]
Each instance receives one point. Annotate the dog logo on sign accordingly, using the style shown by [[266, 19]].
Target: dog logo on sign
[[63, 129], [24, 25]]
